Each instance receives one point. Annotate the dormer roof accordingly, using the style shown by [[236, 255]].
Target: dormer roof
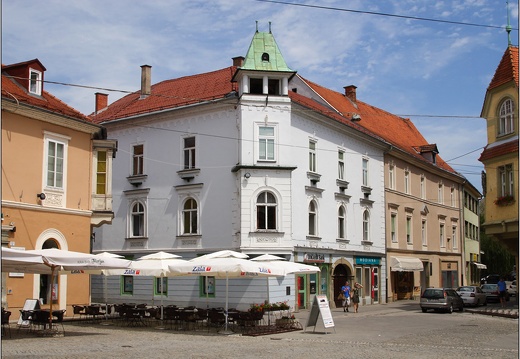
[[264, 54], [507, 69]]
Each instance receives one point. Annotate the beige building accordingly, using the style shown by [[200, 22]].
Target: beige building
[[56, 184]]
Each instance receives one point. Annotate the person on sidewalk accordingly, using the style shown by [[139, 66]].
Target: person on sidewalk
[[355, 296], [502, 291], [346, 292]]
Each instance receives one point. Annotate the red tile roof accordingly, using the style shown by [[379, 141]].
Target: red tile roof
[[171, 94], [500, 150], [12, 90], [398, 131], [507, 69]]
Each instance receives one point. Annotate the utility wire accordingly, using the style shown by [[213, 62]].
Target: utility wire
[[384, 14]]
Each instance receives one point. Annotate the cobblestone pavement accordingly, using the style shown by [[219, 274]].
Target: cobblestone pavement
[[371, 333]]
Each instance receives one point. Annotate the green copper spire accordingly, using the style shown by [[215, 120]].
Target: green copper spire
[[264, 54]]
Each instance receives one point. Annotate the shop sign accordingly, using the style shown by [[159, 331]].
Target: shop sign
[[371, 261], [313, 258]]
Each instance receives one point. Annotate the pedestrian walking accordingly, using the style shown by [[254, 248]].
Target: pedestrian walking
[[346, 292], [355, 296], [502, 291]]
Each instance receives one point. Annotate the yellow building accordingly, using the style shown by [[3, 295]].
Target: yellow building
[[56, 184], [500, 156]]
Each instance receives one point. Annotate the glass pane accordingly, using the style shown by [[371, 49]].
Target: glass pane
[[260, 217], [266, 131], [189, 142], [262, 144], [270, 197], [270, 149], [271, 217]]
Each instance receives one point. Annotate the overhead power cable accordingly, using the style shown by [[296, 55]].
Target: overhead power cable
[[385, 14]]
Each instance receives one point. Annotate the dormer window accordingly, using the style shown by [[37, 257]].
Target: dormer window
[[265, 57], [506, 125], [35, 82]]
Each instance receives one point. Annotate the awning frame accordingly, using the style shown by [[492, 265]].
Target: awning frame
[[406, 264]]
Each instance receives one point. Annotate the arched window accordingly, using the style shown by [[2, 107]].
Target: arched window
[[189, 217], [313, 228], [266, 211], [137, 228], [506, 118], [366, 226], [342, 222]]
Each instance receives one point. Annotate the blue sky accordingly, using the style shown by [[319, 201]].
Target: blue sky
[[435, 73]]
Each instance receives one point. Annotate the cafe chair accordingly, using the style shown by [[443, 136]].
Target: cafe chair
[[78, 310], [6, 327]]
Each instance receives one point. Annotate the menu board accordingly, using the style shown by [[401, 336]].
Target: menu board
[[320, 305]]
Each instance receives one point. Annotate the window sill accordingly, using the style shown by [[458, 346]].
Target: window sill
[[314, 189], [137, 180], [188, 174], [367, 243], [315, 238], [131, 238], [343, 240]]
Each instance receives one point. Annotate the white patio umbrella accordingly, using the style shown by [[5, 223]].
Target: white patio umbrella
[[227, 264], [58, 260], [105, 289], [153, 265]]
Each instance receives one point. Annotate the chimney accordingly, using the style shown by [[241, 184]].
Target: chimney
[[238, 61], [101, 101], [350, 92], [146, 81]]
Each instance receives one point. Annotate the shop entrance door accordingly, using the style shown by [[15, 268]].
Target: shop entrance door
[[301, 291], [375, 284]]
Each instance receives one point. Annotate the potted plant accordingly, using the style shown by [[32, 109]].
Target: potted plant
[[505, 200]]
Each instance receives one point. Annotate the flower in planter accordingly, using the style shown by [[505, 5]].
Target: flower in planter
[[505, 200]]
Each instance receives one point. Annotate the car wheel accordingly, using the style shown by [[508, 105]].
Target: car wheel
[[424, 310], [450, 309], [461, 309], [485, 302]]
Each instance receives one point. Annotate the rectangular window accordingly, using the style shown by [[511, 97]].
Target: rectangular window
[[452, 197], [441, 236], [409, 230], [312, 156], [439, 193], [138, 159], [189, 153], [55, 164], [207, 286], [406, 182], [341, 165], [393, 219], [506, 180], [391, 177], [161, 286], [35, 82], [454, 237], [127, 285], [101, 173], [266, 139], [423, 188], [365, 172], [424, 233]]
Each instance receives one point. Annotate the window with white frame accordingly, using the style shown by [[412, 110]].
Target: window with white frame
[[424, 233], [313, 218], [454, 237], [440, 191], [423, 187], [137, 160], [266, 211], [506, 124], [35, 82], [312, 156], [452, 197], [365, 171], [190, 217], [137, 219], [189, 153], [393, 227], [127, 285], [342, 222], [341, 165], [506, 180], [266, 143], [408, 230], [161, 286], [442, 239], [366, 226], [407, 181], [101, 172], [56, 147], [391, 176]]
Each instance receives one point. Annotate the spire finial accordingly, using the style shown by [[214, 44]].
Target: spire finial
[[256, 25], [269, 26], [508, 26]]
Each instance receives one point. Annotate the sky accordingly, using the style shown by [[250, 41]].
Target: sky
[[414, 58]]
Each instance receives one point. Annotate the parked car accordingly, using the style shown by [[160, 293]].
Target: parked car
[[472, 295], [511, 288], [490, 279], [445, 299], [491, 291]]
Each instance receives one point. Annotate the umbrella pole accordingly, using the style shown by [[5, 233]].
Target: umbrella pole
[[53, 269]]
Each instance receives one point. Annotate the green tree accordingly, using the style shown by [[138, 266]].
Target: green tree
[[496, 257]]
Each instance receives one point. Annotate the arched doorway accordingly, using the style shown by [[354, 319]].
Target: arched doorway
[[341, 274], [48, 288]]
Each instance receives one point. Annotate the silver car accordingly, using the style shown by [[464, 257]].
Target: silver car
[[472, 295], [445, 299]]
